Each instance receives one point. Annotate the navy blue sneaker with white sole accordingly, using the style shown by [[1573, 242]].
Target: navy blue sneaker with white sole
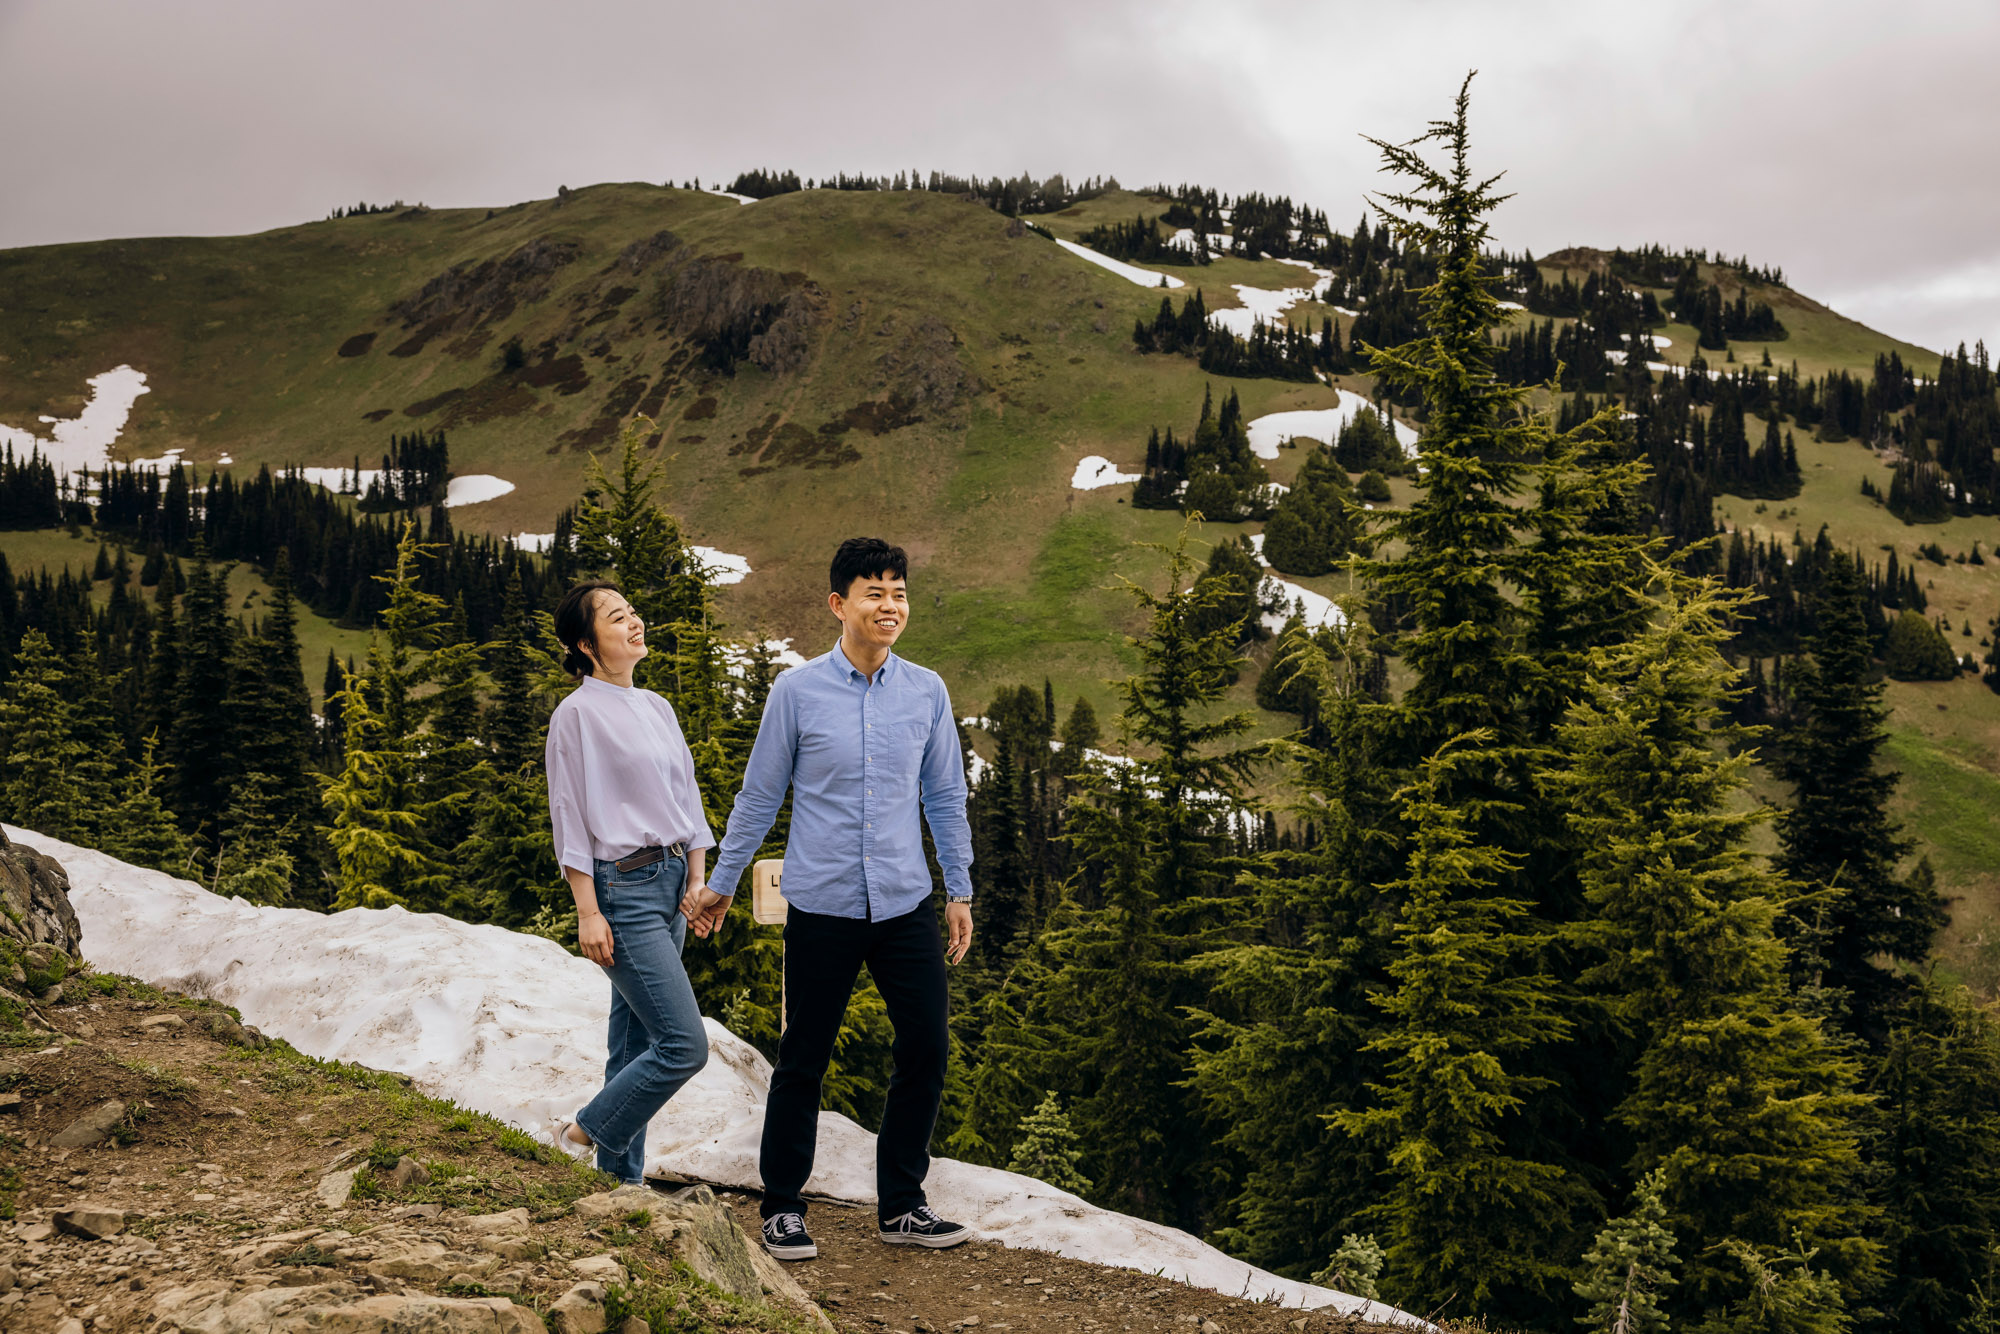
[[786, 1238], [922, 1227]]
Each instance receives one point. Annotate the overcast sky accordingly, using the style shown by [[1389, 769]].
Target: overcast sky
[[1848, 141]]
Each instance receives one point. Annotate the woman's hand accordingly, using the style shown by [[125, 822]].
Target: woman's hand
[[593, 936], [704, 910]]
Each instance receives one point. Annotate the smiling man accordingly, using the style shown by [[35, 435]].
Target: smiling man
[[866, 742]]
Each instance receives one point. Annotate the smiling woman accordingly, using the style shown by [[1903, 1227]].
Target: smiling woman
[[631, 839]]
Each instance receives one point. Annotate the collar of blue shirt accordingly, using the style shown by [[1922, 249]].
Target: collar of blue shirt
[[838, 657]]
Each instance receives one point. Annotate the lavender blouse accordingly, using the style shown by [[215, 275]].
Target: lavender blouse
[[621, 777]]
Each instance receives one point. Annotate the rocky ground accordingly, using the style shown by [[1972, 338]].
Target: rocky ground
[[165, 1168]]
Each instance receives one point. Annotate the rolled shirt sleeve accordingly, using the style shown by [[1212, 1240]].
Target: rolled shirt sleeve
[[563, 760]]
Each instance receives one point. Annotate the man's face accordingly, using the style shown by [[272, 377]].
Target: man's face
[[874, 611]]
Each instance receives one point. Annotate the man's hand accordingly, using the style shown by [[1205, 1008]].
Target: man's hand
[[593, 935], [704, 910], [958, 931]]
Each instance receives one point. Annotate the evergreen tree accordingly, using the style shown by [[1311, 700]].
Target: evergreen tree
[[1354, 1267], [1312, 528], [376, 801], [1733, 1091], [1939, 1146], [270, 716], [1150, 864], [201, 738], [141, 829], [1838, 840], [39, 749], [1468, 1219], [1047, 1150], [1917, 652], [1285, 1029], [1628, 1265]]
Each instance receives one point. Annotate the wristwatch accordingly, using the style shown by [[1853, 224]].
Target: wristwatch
[[958, 898]]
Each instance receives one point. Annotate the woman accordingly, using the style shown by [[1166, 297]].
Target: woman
[[632, 840]]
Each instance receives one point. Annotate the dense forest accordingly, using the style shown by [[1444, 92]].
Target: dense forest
[[1471, 990]]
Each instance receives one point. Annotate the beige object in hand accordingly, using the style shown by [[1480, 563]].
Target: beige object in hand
[[767, 905]]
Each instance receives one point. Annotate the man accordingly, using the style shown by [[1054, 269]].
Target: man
[[863, 739]]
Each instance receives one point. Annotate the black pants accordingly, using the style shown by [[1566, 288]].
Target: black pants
[[823, 957]]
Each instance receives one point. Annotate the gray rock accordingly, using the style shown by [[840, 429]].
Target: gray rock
[[335, 1187], [215, 1307], [93, 1127], [601, 1268], [409, 1172], [578, 1311], [91, 1221], [616, 1204], [35, 890]]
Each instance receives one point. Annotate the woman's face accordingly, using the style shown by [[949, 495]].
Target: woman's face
[[620, 634]]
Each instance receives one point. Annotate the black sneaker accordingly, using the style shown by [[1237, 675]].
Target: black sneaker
[[922, 1227], [785, 1237]]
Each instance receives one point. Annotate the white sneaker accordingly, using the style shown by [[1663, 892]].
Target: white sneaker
[[559, 1128]]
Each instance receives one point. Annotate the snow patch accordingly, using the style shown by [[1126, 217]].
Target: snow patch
[[1131, 273], [85, 440], [1094, 471], [535, 542], [1318, 610], [474, 489], [721, 567], [741, 199], [512, 1025], [1321, 424], [1260, 305], [1512, 305]]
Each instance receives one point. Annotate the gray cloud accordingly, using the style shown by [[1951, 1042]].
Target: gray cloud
[[1842, 140]]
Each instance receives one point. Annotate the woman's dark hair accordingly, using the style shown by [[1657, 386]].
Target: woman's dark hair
[[576, 625], [860, 557]]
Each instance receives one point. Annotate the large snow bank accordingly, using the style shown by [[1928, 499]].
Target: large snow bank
[[1094, 471], [1131, 273], [474, 489], [1321, 424], [85, 440], [513, 1025]]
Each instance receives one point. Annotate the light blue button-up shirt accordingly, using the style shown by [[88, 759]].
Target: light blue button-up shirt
[[860, 756]]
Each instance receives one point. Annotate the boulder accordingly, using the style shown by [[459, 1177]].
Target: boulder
[[215, 1307], [335, 1187], [35, 891], [578, 1311], [612, 1205], [505, 1234], [601, 1268], [89, 1221], [698, 1230], [93, 1127], [409, 1172]]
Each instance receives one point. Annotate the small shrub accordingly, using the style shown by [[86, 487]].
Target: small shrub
[[1373, 487], [522, 1145]]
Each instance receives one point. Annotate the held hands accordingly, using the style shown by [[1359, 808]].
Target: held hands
[[958, 931], [593, 936], [704, 910]]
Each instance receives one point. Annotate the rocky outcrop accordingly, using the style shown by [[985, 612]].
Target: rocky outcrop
[[217, 1307], [34, 903]]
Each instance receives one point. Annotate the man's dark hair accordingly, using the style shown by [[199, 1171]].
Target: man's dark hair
[[860, 557]]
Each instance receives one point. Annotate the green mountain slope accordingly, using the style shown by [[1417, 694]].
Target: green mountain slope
[[927, 369]]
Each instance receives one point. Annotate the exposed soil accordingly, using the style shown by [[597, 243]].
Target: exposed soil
[[868, 1287]]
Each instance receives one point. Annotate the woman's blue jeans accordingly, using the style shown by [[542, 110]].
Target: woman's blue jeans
[[656, 1040]]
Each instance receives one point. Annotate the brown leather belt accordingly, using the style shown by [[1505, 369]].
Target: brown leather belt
[[647, 856]]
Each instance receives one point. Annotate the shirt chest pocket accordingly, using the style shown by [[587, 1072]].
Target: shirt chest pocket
[[905, 744]]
